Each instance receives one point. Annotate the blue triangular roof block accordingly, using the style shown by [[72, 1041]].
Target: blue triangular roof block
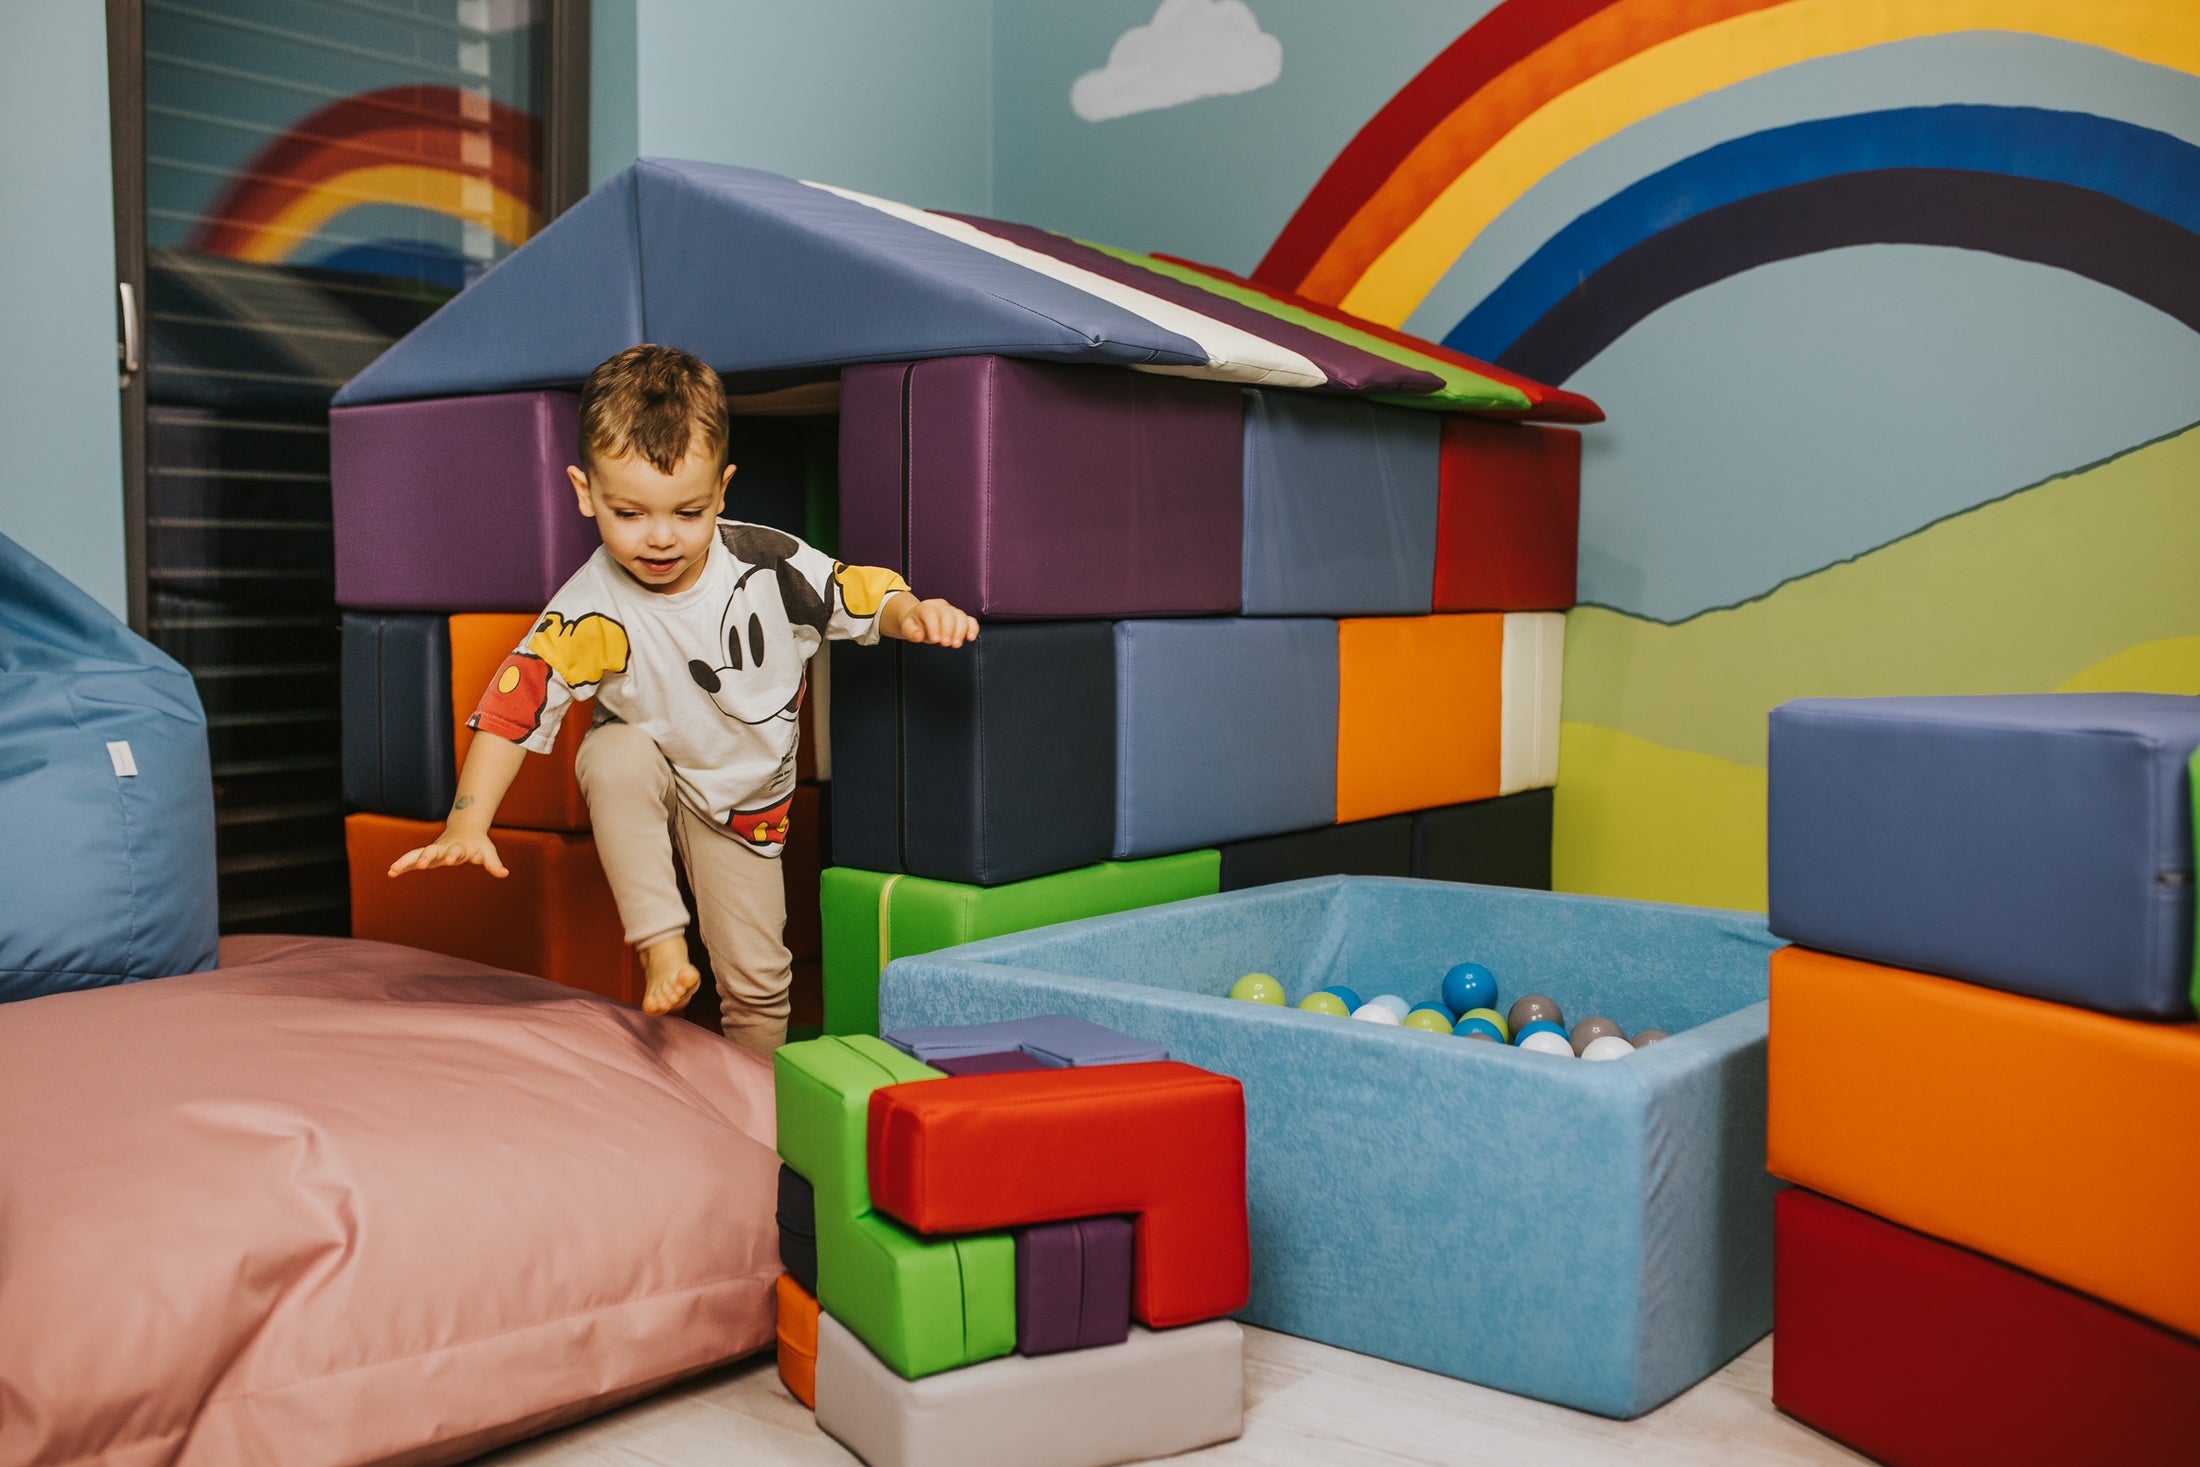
[[755, 274], [544, 317]]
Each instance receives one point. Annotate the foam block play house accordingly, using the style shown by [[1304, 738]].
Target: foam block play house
[[1268, 592]]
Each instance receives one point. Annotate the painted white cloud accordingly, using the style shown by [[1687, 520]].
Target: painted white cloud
[[1190, 49]]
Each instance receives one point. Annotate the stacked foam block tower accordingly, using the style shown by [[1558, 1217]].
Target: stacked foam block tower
[[1231, 636], [972, 1218], [432, 609], [1984, 1067]]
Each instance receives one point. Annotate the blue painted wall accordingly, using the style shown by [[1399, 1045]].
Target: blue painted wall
[[61, 477], [889, 96]]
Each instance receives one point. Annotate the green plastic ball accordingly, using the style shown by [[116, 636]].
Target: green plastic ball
[[1504, 1030], [1259, 988], [1325, 1002], [1429, 1021]]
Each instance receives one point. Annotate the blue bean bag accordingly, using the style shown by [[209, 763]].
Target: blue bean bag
[[106, 796]]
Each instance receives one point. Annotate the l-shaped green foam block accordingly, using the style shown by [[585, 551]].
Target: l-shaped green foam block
[[872, 917], [924, 1305]]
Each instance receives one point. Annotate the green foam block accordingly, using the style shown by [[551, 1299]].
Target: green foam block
[[872, 917], [924, 1305]]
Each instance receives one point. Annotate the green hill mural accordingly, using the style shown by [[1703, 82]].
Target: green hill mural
[[2089, 580]]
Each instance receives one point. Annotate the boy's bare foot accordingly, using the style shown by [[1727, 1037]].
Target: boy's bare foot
[[671, 980]]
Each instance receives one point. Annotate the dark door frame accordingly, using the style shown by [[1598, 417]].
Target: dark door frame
[[126, 142], [565, 172]]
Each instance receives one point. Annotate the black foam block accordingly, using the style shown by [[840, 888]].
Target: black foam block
[[1500, 842], [396, 689], [1362, 848]]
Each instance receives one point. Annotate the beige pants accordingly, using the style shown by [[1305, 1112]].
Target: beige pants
[[739, 895]]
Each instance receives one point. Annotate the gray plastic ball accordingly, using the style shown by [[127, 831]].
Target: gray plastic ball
[[1596, 1026], [1530, 1007]]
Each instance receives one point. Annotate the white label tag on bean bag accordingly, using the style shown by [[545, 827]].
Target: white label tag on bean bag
[[125, 761]]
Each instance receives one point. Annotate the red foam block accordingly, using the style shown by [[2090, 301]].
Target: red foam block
[[1164, 1142], [1923, 1354], [1508, 518]]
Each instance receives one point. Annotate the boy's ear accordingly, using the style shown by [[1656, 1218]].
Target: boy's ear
[[580, 489], [725, 481]]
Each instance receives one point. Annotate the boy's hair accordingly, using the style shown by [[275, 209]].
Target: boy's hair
[[654, 401]]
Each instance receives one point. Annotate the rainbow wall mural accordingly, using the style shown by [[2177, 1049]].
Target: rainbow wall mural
[[432, 148], [2026, 136]]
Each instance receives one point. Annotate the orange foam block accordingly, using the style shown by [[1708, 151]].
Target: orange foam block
[[552, 917], [1163, 1141], [2057, 1139], [545, 796], [798, 1341], [1444, 710]]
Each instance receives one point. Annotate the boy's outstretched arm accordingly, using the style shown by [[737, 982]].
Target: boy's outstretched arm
[[491, 766], [937, 622]]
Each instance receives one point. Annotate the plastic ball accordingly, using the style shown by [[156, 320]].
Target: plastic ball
[[1476, 1026], [1349, 997], [1394, 1003], [1375, 1013], [1482, 1033], [1607, 1047], [1533, 1027], [1325, 1002], [1548, 1041], [1429, 1020], [1259, 988], [1593, 1028], [1469, 986], [1432, 1006], [1529, 1008], [1650, 1036], [1494, 1019]]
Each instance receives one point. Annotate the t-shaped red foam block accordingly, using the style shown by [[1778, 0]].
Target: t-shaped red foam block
[[1165, 1142]]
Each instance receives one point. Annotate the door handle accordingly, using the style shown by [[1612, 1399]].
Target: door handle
[[128, 349]]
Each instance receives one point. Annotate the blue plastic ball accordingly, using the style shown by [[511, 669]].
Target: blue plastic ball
[[1541, 1026], [1470, 986], [1478, 1025], [1353, 1003], [1444, 1009], [1394, 1003]]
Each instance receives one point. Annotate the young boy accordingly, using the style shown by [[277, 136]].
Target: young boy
[[692, 634]]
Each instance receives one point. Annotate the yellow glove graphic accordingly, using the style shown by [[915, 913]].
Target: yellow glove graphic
[[864, 588], [581, 651]]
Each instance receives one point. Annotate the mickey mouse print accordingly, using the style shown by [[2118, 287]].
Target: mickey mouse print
[[715, 674]]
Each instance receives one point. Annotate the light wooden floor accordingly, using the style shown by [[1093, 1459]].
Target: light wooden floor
[[1306, 1404]]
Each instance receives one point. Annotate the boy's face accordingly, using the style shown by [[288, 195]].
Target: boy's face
[[657, 526]]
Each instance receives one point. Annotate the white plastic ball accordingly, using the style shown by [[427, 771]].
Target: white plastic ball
[[1547, 1042], [1375, 1011], [1606, 1047]]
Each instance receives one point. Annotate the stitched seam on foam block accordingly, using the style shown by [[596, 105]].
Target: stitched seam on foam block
[[1123, 792]]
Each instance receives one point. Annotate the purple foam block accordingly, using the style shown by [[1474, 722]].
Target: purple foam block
[[1027, 489], [457, 504], [1058, 1041], [1073, 1285], [1001, 1063]]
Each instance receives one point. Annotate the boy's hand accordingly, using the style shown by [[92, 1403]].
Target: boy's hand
[[937, 622], [460, 849]]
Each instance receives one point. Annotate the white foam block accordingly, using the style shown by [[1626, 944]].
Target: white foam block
[[1159, 1393], [1534, 669]]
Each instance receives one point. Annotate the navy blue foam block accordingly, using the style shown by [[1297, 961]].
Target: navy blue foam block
[[1362, 848], [399, 757], [822, 281], [1500, 842], [106, 798], [797, 1218], [984, 764], [1341, 501], [1226, 728], [2038, 844]]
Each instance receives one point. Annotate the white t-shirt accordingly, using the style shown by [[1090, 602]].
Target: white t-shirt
[[714, 674]]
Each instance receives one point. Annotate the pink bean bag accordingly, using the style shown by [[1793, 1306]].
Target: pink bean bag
[[342, 1202]]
